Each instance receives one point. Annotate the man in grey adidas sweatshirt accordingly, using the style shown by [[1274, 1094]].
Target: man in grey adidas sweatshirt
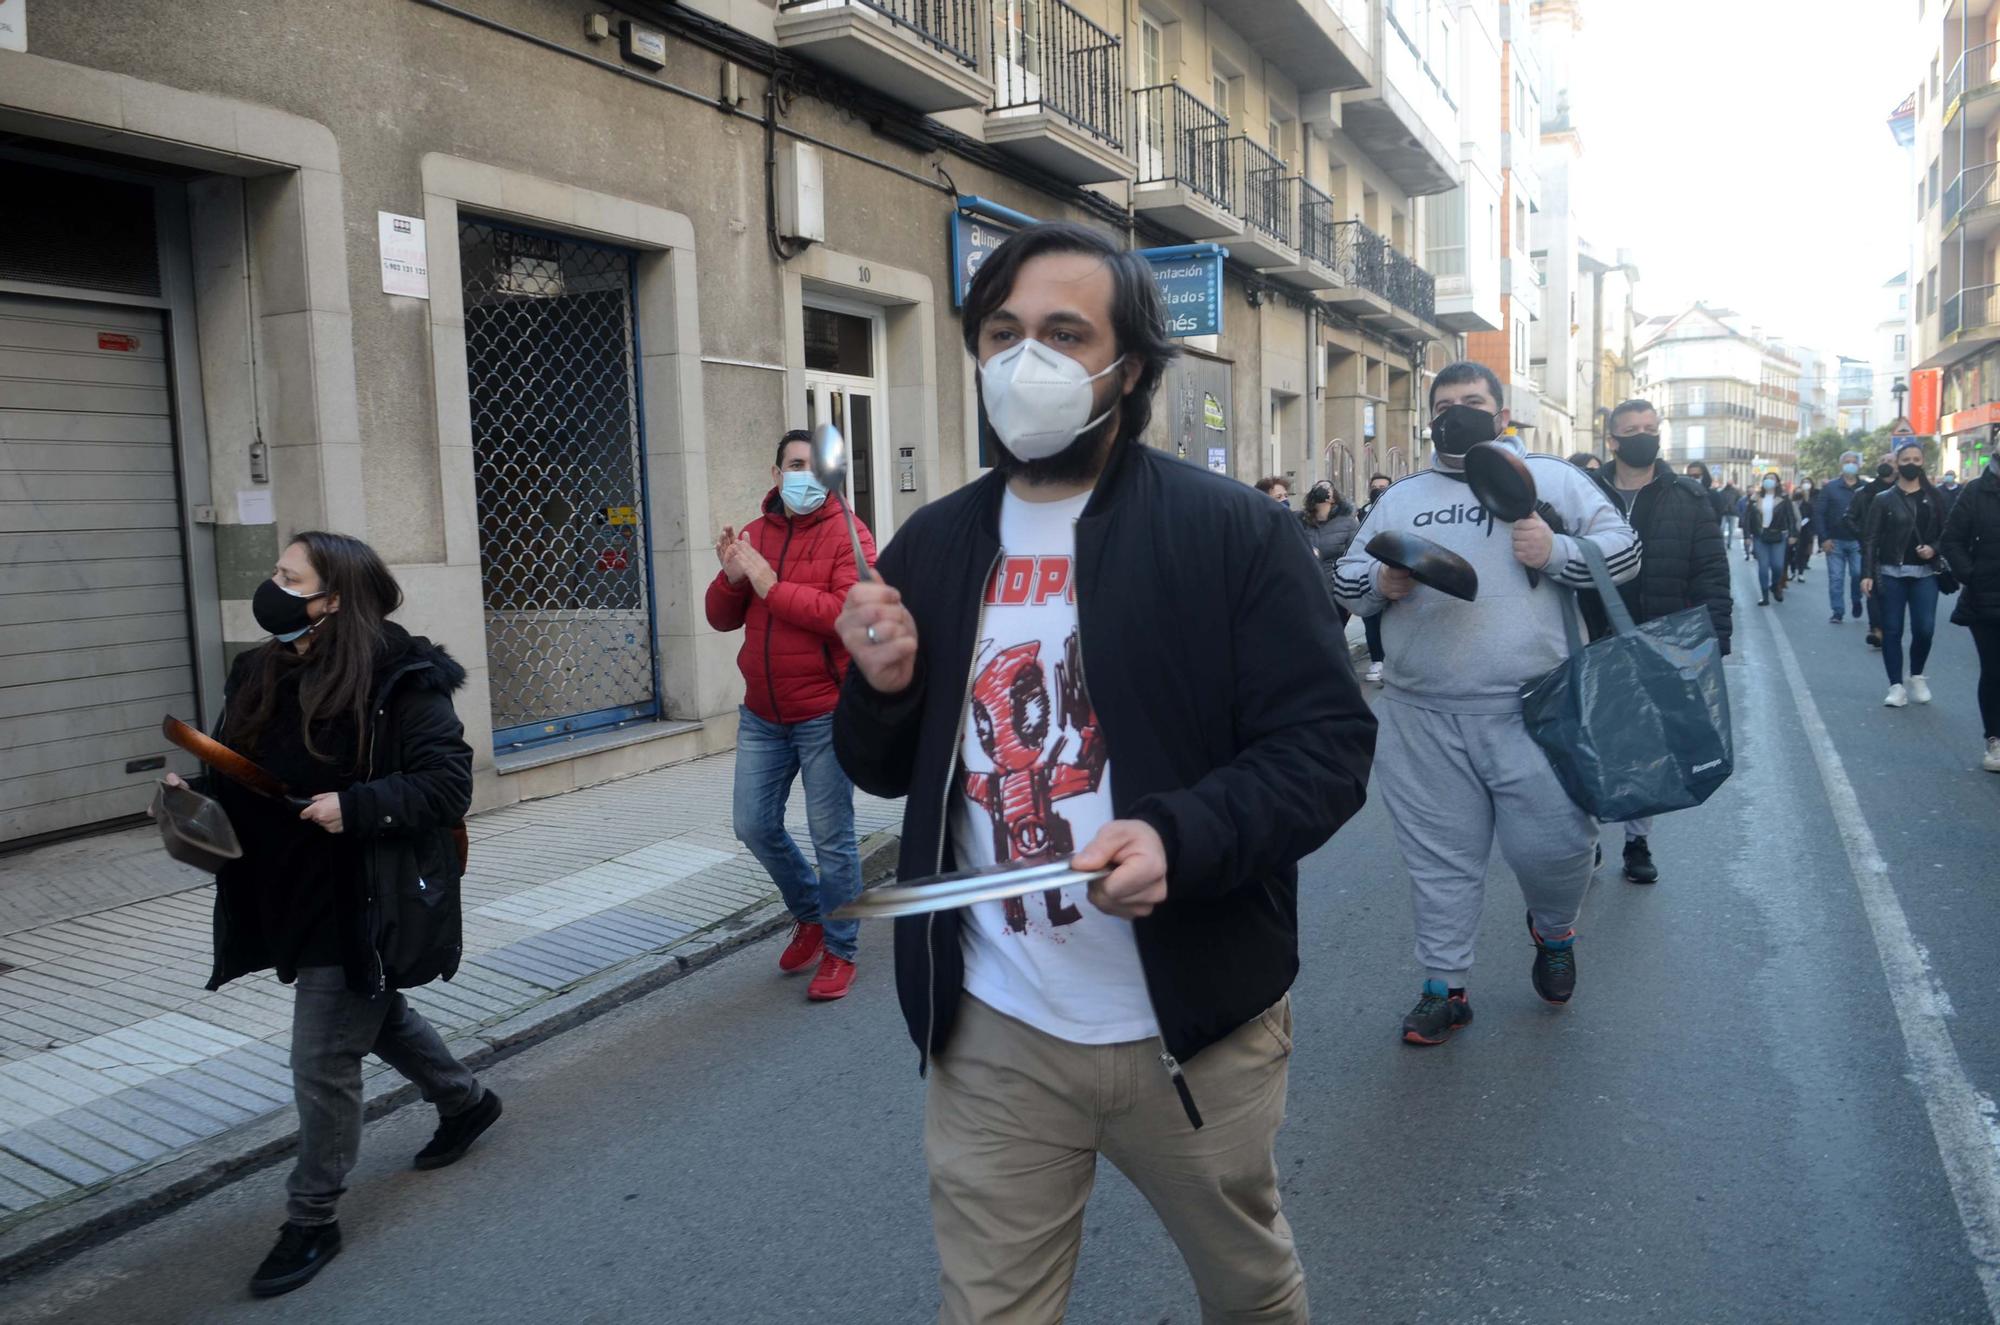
[[1453, 758]]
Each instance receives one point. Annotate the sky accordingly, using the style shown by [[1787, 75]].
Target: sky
[[1741, 150]]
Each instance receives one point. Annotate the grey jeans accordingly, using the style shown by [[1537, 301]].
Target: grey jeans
[[333, 1028]]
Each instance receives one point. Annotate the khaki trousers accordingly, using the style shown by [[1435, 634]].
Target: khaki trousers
[[1015, 1119]]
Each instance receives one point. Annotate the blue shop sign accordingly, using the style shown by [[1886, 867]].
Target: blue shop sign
[[1190, 281], [978, 226], [1189, 276]]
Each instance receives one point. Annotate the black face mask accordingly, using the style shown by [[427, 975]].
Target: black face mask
[[281, 612], [1911, 472], [1459, 428], [1375, 494], [1639, 449], [1884, 471]]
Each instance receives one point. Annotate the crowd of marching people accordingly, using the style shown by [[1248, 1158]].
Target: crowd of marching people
[[1186, 750]]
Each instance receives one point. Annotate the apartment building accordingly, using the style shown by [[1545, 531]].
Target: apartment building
[[524, 293], [1726, 396], [1608, 318], [1463, 234], [1890, 353], [1854, 403], [1508, 348], [1554, 341], [1952, 125], [1817, 395]]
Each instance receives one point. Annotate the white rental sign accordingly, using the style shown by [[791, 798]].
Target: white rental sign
[[13, 25], [405, 268]]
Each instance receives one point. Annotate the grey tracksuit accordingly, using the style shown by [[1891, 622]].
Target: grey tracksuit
[[1453, 759]]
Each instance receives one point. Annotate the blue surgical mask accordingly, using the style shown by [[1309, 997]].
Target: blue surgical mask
[[1850, 468], [801, 492], [1770, 485]]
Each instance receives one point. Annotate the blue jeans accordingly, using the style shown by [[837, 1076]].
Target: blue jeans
[[1843, 567], [1771, 564], [768, 757], [1920, 595]]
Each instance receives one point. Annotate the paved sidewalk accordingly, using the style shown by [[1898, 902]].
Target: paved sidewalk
[[115, 1061]]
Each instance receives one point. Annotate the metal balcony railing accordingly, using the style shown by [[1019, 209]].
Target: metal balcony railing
[[1974, 187], [1411, 288], [1265, 192], [950, 25], [1047, 56], [1359, 255], [1970, 307], [1183, 140], [1316, 225], [1973, 69]]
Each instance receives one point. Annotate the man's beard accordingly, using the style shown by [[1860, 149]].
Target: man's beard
[[1081, 460]]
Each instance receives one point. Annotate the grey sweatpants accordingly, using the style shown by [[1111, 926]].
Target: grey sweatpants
[[1454, 782]]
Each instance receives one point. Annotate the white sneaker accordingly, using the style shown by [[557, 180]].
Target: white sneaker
[[1898, 698], [1375, 673], [1992, 761], [1920, 690]]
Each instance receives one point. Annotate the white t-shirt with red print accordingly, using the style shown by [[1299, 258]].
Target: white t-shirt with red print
[[1034, 784]]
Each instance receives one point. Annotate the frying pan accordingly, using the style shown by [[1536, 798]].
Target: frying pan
[[1427, 562], [235, 767], [1502, 482], [254, 777], [948, 892]]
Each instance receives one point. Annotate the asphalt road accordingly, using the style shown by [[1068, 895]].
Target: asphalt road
[[1725, 1126]]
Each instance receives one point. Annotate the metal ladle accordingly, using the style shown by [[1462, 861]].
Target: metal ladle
[[829, 466]]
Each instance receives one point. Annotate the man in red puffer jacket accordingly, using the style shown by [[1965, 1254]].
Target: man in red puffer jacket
[[784, 579]]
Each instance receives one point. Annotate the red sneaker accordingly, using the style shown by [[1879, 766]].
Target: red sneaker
[[807, 940], [833, 979]]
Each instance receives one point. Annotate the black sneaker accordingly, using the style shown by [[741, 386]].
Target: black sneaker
[[1874, 638], [456, 1134], [1838, 618], [1554, 972], [1639, 867], [1436, 1016], [302, 1252]]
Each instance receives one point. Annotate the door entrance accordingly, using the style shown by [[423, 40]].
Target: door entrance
[[559, 481], [842, 388], [94, 633]]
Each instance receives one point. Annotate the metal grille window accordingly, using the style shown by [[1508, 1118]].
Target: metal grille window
[[551, 365], [59, 228]]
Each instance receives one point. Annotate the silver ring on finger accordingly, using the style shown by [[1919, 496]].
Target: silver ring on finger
[[873, 638]]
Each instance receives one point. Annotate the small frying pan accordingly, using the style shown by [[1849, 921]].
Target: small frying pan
[[255, 777], [1427, 562], [222, 759], [1502, 482]]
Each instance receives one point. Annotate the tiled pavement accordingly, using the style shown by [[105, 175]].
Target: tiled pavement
[[113, 1058]]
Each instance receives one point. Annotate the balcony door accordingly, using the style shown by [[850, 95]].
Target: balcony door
[[1150, 150]]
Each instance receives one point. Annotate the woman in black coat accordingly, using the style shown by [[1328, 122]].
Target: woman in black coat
[[1330, 524], [350, 890], [1899, 565], [1971, 547], [1808, 538], [1770, 524]]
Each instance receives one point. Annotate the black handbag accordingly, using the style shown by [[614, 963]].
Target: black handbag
[[1636, 724]]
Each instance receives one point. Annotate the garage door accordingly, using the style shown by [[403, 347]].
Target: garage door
[[94, 643]]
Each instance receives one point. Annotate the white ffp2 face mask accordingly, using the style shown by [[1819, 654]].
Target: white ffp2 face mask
[[1037, 400]]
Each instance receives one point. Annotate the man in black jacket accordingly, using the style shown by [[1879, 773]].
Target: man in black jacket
[[1098, 652], [1686, 565]]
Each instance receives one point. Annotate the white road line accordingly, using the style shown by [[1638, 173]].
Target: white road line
[[1958, 1113]]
